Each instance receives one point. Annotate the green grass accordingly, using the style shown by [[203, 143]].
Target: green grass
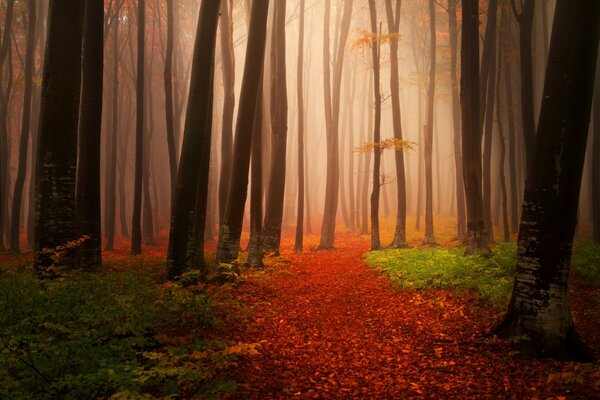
[[118, 334], [491, 276]]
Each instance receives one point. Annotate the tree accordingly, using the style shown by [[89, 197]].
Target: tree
[[375, 52], [595, 184], [184, 252], [168, 80], [429, 236], [228, 69], [279, 114], [471, 129], [525, 20], [231, 229], [539, 312], [57, 147], [136, 220], [393, 19], [298, 243], [255, 244], [332, 111], [25, 127], [458, 160]]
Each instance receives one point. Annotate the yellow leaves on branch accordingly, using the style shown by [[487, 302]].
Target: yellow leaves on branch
[[366, 39], [390, 143]]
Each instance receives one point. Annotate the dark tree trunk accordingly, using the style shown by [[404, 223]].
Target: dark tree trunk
[[231, 229], [279, 113], [183, 251], [525, 20], [57, 148], [228, 69], [375, 240], [595, 184], [25, 127], [367, 164], [110, 180], [90, 129], [539, 312], [393, 19], [501, 139], [487, 113], [332, 111], [4, 98], [471, 128], [298, 243], [255, 245], [429, 235], [168, 80], [458, 159], [512, 156], [136, 220]]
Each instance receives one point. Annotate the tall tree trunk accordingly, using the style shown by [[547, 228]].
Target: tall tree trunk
[[183, 251], [393, 20], [90, 130], [332, 110], [25, 127], [228, 70], [461, 225], [110, 179], [539, 311], [512, 156], [429, 235], [298, 243], [595, 184], [279, 114], [525, 20], [367, 164], [487, 114], [136, 220], [255, 244], [471, 128], [252, 85], [501, 139], [168, 81], [375, 240], [57, 149]]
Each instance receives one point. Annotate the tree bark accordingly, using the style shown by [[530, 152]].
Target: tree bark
[[255, 244], [375, 240], [539, 312], [25, 127], [183, 251], [299, 242], [90, 130], [231, 229], [57, 149], [428, 142], [168, 81], [595, 184], [471, 128]]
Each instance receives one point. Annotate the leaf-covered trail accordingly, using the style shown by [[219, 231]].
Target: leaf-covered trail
[[331, 327]]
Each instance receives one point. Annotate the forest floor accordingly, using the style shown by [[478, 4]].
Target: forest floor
[[330, 326]]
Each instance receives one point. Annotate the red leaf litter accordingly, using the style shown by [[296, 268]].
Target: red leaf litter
[[332, 328]]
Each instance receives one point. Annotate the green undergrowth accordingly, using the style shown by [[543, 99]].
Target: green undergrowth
[[438, 267], [118, 335], [490, 275]]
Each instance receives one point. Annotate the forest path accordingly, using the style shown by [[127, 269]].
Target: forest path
[[332, 327]]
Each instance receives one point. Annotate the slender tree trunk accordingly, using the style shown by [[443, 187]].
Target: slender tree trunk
[[25, 127], [367, 165], [375, 240], [525, 20], [57, 151], [168, 81], [512, 156], [539, 315], [136, 220], [393, 20], [183, 252], [461, 226], [471, 128], [429, 235], [228, 70], [298, 243], [255, 245], [595, 184], [111, 147], [90, 130], [501, 140], [252, 85], [279, 114]]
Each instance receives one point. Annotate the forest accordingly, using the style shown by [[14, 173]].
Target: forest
[[312, 199]]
